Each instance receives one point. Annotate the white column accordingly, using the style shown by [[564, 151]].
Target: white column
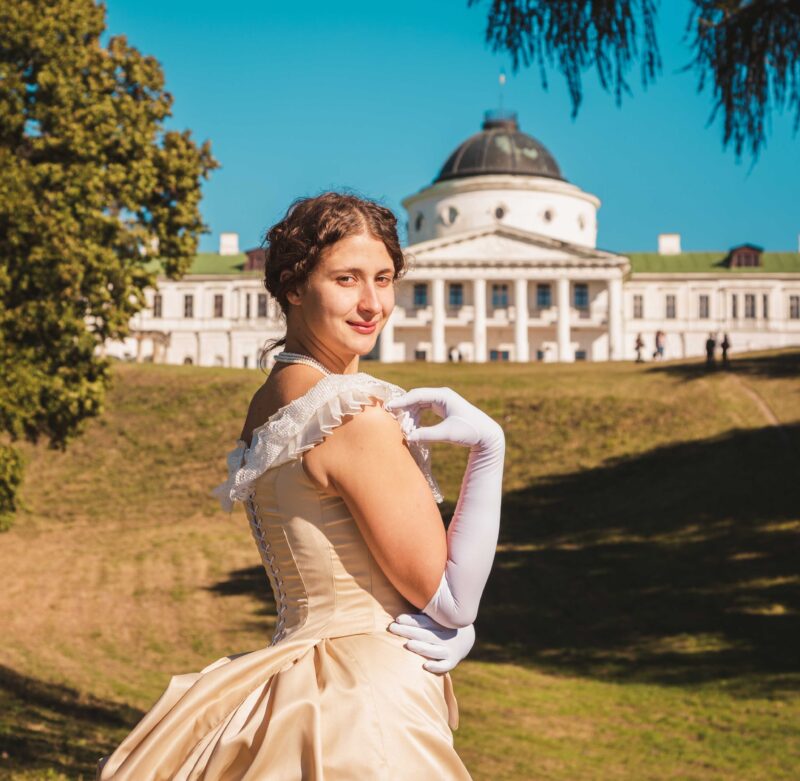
[[437, 323], [386, 346], [479, 321], [615, 319], [521, 319], [564, 346]]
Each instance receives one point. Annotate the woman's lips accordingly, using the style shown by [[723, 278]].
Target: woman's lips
[[362, 328]]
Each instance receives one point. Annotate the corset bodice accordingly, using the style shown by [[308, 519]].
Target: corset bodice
[[325, 581]]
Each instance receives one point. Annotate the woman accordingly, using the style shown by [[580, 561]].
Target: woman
[[335, 478]]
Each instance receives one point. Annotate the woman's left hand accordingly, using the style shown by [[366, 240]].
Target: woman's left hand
[[444, 647]]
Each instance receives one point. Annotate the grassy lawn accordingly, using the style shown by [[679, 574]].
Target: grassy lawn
[[642, 620]]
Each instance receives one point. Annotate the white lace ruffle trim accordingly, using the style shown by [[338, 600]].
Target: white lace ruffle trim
[[305, 422]]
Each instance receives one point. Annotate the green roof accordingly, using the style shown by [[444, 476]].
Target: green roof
[[210, 263], [710, 262]]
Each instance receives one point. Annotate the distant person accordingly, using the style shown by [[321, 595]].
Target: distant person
[[659, 352], [639, 348], [711, 347], [726, 345]]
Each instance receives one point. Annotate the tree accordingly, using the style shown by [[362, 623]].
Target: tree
[[90, 182], [748, 50]]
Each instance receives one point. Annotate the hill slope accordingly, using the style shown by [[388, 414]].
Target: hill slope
[[643, 610]]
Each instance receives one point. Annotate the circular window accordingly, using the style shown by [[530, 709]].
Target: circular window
[[500, 212]]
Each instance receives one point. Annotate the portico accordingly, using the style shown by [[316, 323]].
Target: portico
[[501, 290]]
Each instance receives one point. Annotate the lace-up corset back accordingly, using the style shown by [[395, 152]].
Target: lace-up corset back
[[325, 581], [323, 577]]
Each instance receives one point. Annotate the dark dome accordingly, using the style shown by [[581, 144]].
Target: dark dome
[[500, 148]]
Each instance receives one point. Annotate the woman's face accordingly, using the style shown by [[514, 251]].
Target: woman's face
[[351, 285]]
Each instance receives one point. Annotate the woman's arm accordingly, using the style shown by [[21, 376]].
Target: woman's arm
[[473, 531], [367, 462]]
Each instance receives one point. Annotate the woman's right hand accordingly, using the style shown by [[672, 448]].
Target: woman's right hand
[[463, 423]]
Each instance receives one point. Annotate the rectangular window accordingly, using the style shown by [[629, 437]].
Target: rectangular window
[[246, 358], [794, 307], [420, 355], [500, 295], [420, 295], [581, 295], [456, 297], [157, 305], [670, 306], [702, 309], [247, 308], [580, 355], [638, 307], [262, 305], [543, 297], [499, 355], [218, 305], [188, 305], [735, 306], [749, 305], [765, 305]]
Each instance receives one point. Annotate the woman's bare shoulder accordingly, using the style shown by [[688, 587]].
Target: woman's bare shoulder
[[372, 432], [282, 386]]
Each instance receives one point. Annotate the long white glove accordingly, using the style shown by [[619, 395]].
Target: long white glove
[[473, 531], [443, 646]]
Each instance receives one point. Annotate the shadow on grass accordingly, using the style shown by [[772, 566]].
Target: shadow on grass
[[252, 581], [48, 728], [783, 365], [677, 566]]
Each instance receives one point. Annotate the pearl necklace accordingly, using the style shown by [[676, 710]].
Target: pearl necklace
[[287, 357]]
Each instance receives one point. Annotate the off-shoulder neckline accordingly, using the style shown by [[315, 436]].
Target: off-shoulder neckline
[[286, 407]]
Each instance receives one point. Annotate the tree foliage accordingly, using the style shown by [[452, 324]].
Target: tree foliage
[[90, 180], [748, 50]]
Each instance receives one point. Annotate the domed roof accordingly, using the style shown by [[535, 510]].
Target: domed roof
[[500, 148]]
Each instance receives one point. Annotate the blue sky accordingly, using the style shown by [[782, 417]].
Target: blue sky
[[301, 97]]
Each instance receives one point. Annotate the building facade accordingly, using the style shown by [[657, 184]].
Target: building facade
[[503, 265]]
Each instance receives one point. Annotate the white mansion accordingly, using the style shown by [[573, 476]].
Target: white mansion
[[503, 266]]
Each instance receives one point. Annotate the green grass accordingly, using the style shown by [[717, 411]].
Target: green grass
[[641, 620]]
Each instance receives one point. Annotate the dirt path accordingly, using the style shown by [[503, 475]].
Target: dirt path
[[767, 412]]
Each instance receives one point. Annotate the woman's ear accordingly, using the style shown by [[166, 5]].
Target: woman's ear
[[291, 295]]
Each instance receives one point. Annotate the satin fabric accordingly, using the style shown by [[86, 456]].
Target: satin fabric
[[335, 696]]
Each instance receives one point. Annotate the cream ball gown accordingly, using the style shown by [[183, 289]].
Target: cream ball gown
[[335, 696]]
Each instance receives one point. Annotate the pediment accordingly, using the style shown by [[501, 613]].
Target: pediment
[[506, 245]]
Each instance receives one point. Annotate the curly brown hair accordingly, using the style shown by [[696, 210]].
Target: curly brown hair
[[295, 244]]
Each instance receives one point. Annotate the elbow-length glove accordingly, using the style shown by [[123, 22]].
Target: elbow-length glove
[[442, 646], [474, 529]]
